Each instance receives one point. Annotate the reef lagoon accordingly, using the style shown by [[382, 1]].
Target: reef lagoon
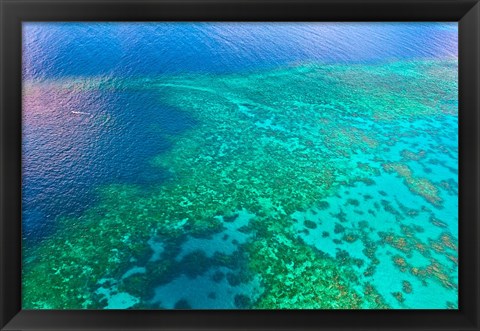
[[240, 166]]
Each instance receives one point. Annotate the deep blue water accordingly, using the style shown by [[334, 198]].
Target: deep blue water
[[132, 49], [90, 138]]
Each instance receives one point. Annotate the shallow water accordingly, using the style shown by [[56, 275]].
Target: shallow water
[[228, 165]]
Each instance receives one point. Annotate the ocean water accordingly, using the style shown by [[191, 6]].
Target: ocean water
[[240, 166]]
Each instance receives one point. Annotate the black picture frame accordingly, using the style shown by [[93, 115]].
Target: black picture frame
[[14, 12]]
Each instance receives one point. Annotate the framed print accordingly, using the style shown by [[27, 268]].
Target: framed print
[[241, 165]]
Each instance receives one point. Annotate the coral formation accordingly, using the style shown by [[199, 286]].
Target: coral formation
[[297, 188]]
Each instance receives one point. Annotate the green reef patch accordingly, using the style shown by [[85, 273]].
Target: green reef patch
[[304, 187]]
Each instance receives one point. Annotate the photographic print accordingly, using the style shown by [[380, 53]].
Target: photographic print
[[240, 165]]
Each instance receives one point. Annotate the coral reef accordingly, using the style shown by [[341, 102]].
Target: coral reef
[[297, 188]]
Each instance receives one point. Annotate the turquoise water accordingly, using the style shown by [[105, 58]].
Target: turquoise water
[[240, 166]]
